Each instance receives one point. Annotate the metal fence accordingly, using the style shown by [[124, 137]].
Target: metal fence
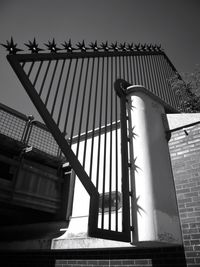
[[74, 94], [32, 133]]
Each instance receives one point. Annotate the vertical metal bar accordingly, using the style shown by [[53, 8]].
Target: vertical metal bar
[[94, 117], [156, 83], [105, 144], [143, 68], [131, 69], [100, 122], [111, 129], [27, 130], [158, 74], [64, 92], [123, 66], [23, 64], [134, 70], [140, 70], [58, 86], [38, 72], [134, 209], [169, 72], [70, 97], [82, 107], [116, 155], [146, 72], [151, 85], [31, 67], [88, 115], [137, 72], [164, 79], [51, 82], [172, 73], [44, 79], [120, 69], [76, 102], [125, 171], [127, 69]]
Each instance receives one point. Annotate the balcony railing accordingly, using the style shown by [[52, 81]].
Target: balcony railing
[[24, 129]]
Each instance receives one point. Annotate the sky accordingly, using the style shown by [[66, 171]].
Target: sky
[[175, 24]]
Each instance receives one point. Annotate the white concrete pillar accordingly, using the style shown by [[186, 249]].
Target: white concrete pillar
[[156, 216]]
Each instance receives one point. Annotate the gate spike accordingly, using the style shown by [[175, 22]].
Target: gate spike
[[52, 46], [143, 47], [94, 46], [130, 47], [33, 46], [149, 47], [159, 48], [68, 46], [11, 47], [114, 46], [81, 46], [137, 47], [123, 47], [105, 46]]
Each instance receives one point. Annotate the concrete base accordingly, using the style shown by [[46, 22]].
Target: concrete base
[[85, 242]]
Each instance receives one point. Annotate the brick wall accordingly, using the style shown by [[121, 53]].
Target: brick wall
[[185, 155], [129, 257]]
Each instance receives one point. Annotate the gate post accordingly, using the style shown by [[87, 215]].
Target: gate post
[[155, 212]]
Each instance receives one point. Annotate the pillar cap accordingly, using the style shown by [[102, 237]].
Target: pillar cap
[[130, 90]]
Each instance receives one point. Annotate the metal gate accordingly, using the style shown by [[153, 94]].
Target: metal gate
[[73, 92]]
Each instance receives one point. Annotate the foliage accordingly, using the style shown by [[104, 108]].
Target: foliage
[[187, 88]]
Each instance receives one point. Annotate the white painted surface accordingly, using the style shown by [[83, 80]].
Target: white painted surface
[[157, 214], [181, 119]]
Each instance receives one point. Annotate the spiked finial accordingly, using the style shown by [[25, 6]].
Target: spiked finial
[[94, 46], [33, 46], [11, 47], [81, 46], [52, 46], [105, 46], [143, 47], [68, 46], [123, 47], [159, 47], [114, 46], [149, 47], [130, 47], [137, 47]]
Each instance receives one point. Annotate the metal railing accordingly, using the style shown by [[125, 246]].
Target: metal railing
[[74, 93], [23, 129]]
